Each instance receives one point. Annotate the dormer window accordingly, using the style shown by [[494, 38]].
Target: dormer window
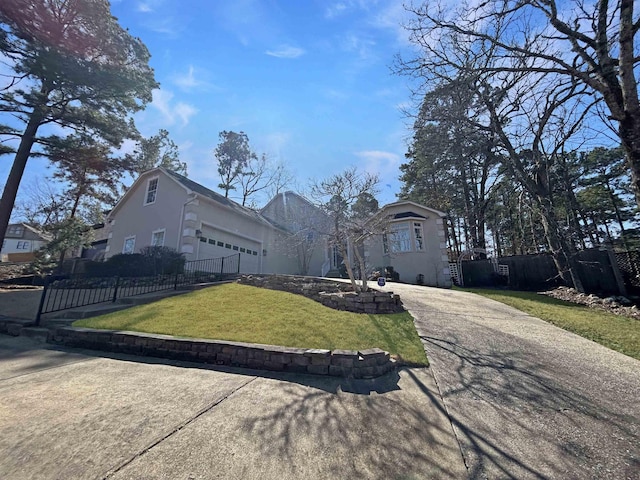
[[152, 191], [15, 230]]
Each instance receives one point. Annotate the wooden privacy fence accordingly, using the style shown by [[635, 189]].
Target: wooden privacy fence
[[600, 270]]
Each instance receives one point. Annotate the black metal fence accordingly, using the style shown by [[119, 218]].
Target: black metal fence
[[71, 291]]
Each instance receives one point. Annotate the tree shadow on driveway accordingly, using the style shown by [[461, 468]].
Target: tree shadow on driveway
[[516, 417]]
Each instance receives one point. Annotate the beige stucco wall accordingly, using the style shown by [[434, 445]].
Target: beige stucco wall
[[247, 230], [295, 214], [131, 217], [184, 216], [432, 262]]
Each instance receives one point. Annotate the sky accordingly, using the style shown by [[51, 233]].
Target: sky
[[309, 82]]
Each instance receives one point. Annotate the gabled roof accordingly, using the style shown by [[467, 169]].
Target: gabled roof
[[288, 193], [35, 234], [216, 197], [199, 190], [409, 203]]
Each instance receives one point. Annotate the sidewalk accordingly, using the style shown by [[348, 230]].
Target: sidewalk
[[79, 414]]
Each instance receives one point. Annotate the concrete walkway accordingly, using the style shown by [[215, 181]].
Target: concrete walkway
[[527, 399], [83, 415]]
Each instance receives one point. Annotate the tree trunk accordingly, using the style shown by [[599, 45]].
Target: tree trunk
[[563, 258], [347, 264], [17, 170], [363, 266]]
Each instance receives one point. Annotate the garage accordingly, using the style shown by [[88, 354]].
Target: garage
[[217, 243]]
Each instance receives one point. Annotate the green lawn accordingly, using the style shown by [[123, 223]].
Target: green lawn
[[249, 314], [613, 331]]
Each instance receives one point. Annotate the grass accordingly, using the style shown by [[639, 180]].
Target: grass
[[617, 332], [249, 314]]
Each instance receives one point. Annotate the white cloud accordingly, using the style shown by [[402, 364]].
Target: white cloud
[[276, 141], [184, 111], [362, 46], [286, 51], [172, 112], [380, 162], [335, 10], [191, 80], [144, 7]]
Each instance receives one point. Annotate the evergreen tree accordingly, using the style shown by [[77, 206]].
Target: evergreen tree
[[73, 65]]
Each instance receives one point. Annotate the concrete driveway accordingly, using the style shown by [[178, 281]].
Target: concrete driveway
[[527, 399], [83, 415]]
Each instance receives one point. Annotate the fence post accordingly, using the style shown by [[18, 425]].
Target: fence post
[[115, 290], [175, 281], [222, 266], [622, 289], [42, 297], [238, 270]]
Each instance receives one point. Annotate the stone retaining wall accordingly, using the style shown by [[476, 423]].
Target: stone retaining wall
[[369, 363], [337, 295]]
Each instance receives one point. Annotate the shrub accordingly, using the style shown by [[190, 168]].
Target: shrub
[[150, 261]]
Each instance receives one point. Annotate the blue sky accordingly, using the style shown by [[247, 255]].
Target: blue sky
[[308, 81]]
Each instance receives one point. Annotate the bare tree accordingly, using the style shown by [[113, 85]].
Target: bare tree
[[343, 198], [260, 175], [531, 114], [591, 44]]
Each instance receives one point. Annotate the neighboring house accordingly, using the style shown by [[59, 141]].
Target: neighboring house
[[165, 208], [415, 245], [21, 242]]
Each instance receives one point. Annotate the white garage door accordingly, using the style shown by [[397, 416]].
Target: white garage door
[[215, 244]]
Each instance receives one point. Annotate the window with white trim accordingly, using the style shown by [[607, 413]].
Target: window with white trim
[[399, 238], [417, 236], [129, 244], [152, 191], [157, 238], [17, 230]]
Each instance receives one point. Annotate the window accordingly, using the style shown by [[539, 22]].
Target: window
[[219, 243], [203, 239], [157, 238], [22, 246], [16, 230], [212, 241], [235, 247], [398, 240], [242, 250], [417, 234], [129, 244], [152, 191], [227, 245]]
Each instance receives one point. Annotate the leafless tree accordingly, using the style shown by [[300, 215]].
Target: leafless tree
[[261, 175], [348, 201], [591, 44]]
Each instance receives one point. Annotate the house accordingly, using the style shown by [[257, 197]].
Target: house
[[286, 236], [21, 242], [167, 209], [415, 245]]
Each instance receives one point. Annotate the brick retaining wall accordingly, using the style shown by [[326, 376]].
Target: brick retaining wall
[[336, 295], [369, 363]]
